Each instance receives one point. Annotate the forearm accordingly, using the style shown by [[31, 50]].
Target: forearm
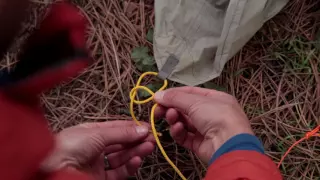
[[25, 142], [242, 157]]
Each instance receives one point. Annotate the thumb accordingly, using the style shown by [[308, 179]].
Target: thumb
[[122, 135], [180, 100]]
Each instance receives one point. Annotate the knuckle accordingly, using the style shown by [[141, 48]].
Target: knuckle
[[98, 140], [193, 109]]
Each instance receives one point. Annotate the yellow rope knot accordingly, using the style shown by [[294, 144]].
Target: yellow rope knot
[[133, 101]]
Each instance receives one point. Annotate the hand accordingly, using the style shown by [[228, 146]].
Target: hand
[[201, 120], [83, 147]]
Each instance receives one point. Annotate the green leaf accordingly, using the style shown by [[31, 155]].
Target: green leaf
[[148, 61], [153, 87], [139, 53], [145, 94], [149, 68], [150, 35], [139, 66]]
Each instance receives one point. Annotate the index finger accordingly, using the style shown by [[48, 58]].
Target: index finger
[[182, 101], [198, 91], [111, 124]]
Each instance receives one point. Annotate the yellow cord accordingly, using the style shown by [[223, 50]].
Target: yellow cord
[[133, 94]]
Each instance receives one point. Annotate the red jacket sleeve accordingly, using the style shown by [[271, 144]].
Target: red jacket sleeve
[[25, 141], [54, 53], [243, 165]]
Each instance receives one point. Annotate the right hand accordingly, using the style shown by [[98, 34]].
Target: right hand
[[201, 120]]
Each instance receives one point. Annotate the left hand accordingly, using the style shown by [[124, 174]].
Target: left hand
[[83, 147]]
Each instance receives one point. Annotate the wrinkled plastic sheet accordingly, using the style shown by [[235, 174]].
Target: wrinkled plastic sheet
[[205, 34]]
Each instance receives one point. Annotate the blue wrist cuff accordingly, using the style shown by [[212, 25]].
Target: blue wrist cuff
[[239, 142]]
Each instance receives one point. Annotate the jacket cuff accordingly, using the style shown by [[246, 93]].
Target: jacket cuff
[[243, 165], [245, 142]]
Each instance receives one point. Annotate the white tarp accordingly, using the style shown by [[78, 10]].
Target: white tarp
[[205, 34]]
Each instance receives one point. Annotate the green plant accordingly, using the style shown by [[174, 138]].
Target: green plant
[[296, 54], [141, 55], [153, 87], [143, 61], [150, 35]]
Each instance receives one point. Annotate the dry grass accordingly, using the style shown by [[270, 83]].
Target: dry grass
[[275, 78]]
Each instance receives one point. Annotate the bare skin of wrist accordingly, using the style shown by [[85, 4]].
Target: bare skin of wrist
[[201, 120]]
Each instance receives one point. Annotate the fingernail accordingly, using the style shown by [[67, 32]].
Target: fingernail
[[142, 130], [159, 95]]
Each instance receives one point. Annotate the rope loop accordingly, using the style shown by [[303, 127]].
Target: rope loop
[[133, 94]]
